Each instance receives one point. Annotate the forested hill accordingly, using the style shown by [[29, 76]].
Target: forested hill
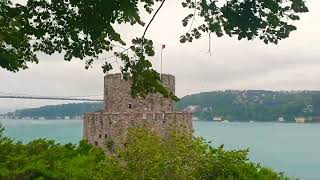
[[254, 105], [60, 111], [248, 105]]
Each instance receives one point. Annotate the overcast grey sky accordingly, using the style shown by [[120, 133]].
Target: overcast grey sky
[[293, 64]]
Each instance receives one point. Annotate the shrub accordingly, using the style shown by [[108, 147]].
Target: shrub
[[147, 155]]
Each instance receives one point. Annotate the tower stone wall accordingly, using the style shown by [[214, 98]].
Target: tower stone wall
[[121, 112], [117, 96]]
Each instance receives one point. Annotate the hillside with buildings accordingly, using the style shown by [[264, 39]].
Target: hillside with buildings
[[253, 105], [232, 105]]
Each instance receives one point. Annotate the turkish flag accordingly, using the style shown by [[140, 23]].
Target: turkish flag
[[163, 46]]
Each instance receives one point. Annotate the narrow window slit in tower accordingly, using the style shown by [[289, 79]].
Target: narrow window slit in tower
[[130, 106], [105, 136], [96, 143]]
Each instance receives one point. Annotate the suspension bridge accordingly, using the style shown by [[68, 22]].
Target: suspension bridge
[[6, 95]]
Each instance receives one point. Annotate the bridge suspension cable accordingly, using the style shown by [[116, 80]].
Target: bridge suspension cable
[[6, 95]]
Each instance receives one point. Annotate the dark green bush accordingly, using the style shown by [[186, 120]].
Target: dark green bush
[[147, 155]]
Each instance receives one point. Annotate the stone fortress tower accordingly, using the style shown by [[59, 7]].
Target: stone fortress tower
[[121, 112]]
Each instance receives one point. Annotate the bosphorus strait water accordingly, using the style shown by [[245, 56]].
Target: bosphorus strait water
[[286, 147], [62, 131]]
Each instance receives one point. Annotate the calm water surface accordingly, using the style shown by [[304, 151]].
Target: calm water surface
[[291, 148]]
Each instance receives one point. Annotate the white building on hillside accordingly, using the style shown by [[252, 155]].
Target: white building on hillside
[[217, 118], [300, 119]]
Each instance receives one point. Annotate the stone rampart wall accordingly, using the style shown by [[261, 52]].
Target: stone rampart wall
[[102, 127]]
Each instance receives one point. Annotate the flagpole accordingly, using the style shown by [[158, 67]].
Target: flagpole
[[161, 64]]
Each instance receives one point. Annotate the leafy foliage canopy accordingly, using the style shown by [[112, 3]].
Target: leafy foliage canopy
[[84, 29], [146, 156]]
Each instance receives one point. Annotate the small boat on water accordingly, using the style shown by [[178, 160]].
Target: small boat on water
[[225, 121]]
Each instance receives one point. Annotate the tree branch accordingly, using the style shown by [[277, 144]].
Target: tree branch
[[154, 15], [194, 14]]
